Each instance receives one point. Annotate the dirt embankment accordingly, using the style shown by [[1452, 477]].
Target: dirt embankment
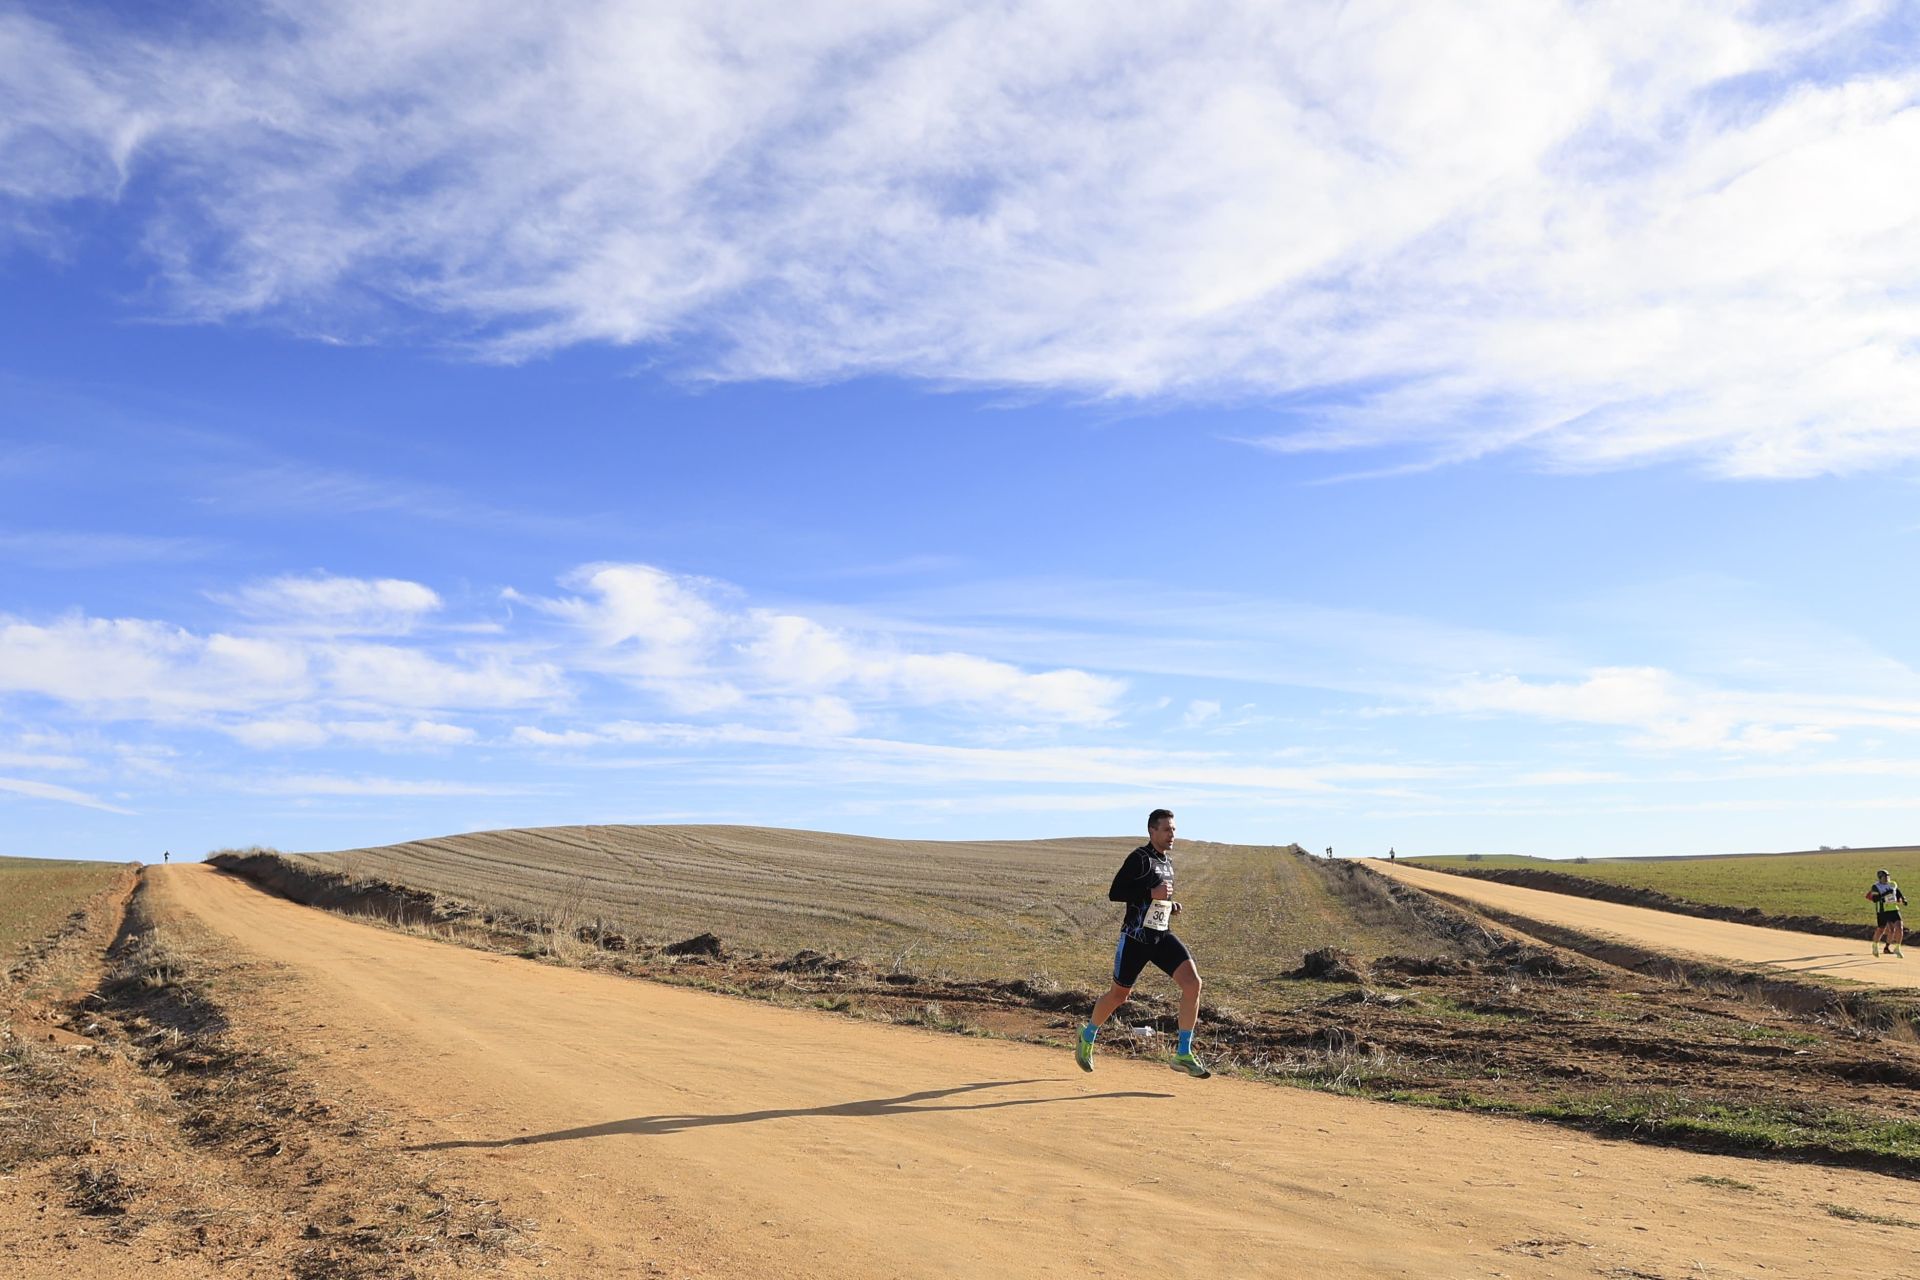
[[399, 904], [394, 903], [1373, 896], [136, 1119], [1634, 896]]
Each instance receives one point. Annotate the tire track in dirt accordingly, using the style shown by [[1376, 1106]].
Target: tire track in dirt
[[1803, 953], [659, 1131]]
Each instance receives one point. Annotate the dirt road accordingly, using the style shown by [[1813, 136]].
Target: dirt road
[[1808, 953], [657, 1131]]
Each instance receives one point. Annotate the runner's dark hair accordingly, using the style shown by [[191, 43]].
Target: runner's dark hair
[[1157, 817]]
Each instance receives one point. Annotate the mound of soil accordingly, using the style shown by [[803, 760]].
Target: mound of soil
[[701, 944], [1331, 964], [1538, 962]]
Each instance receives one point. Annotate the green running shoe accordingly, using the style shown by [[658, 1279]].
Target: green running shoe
[[1083, 1052], [1191, 1065]]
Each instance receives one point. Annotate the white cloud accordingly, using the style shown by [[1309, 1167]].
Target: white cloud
[[812, 755], [681, 638], [37, 760], [1602, 233], [336, 605], [130, 668], [276, 734], [270, 735], [1563, 778], [1200, 711], [393, 677], [62, 795], [658, 624], [138, 667], [1669, 713], [543, 738], [319, 784]]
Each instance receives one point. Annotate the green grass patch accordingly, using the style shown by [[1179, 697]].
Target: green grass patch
[[1720, 1124], [1753, 1126], [1831, 884]]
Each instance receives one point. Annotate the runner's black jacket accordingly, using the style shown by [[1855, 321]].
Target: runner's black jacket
[[1145, 869]]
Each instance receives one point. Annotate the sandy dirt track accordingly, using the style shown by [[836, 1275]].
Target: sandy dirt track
[[1808, 953], [656, 1131]]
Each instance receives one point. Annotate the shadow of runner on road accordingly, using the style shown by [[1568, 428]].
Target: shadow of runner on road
[[1833, 960], [905, 1105]]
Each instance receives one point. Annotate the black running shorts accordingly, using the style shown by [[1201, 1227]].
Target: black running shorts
[[1134, 954], [1888, 917]]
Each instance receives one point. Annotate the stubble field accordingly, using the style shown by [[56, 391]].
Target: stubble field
[[36, 894], [1036, 910]]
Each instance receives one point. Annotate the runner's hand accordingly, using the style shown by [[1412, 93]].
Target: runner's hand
[[1176, 908]]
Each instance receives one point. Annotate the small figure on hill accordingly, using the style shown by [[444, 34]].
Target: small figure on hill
[[166, 855], [1390, 853], [1145, 883], [1329, 851], [1886, 898]]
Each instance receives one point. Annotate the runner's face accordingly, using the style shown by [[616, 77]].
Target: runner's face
[[1161, 837]]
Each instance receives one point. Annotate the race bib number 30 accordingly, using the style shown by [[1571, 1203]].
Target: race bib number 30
[[1159, 915]]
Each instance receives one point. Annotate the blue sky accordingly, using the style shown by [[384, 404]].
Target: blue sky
[[1487, 429]]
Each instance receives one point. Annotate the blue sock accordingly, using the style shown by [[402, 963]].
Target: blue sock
[[1186, 1042], [1088, 1032]]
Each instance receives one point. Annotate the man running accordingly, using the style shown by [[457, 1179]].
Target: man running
[[1886, 898], [1145, 883]]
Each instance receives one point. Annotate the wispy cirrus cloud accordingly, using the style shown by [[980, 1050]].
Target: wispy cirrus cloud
[[38, 761], [1665, 711], [302, 732], [53, 549], [320, 784], [33, 790], [811, 754], [1601, 235], [335, 605]]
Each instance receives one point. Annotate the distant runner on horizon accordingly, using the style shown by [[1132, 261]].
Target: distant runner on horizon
[[1145, 883], [1886, 898]]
